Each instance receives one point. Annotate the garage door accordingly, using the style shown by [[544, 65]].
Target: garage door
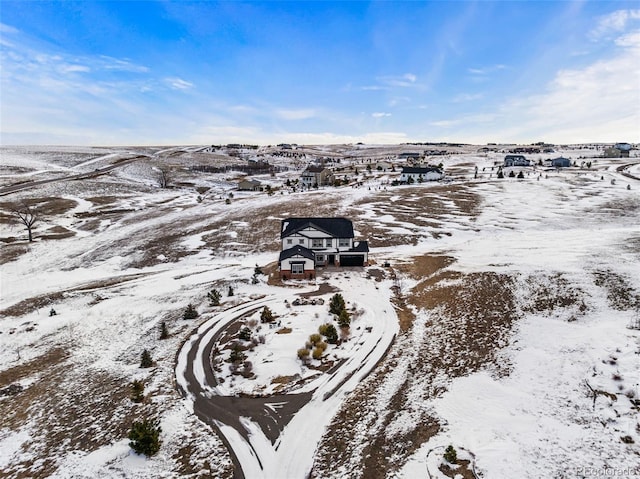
[[351, 260]]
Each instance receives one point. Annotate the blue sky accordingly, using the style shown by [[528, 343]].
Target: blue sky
[[159, 73]]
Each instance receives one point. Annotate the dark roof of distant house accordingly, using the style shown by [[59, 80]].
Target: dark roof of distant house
[[314, 169], [360, 247], [515, 157], [417, 170], [297, 250], [622, 146], [336, 227]]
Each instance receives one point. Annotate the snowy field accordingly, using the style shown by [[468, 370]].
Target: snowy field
[[497, 316]]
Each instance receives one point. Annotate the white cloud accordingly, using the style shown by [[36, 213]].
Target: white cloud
[[380, 114], [464, 97], [613, 23], [178, 83], [403, 81], [300, 114], [74, 68], [597, 103], [109, 63], [486, 70], [4, 28], [410, 77]]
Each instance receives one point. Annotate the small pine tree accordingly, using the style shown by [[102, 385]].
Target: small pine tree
[[145, 359], [266, 316], [317, 353], [164, 333], [344, 320], [329, 331], [521, 174], [237, 355], [336, 304], [190, 312], [450, 454], [512, 174], [303, 354], [500, 174], [137, 391], [257, 270], [314, 339], [214, 297], [230, 292], [245, 334], [145, 437]]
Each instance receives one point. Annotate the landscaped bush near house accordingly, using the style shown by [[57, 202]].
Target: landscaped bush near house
[[237, 355], [315, 338], [267, 315], [145, 437], [317, 353], [329, 331], [303, 353], [245, 334], [190, 312], [344, 320], [336, 304]]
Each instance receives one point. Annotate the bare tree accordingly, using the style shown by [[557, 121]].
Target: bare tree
[[27, 215], [163, 177]]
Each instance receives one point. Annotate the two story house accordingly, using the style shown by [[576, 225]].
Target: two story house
[[314, 176], [311, 242]]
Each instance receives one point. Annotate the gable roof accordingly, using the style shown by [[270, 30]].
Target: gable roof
[[336, 227], [417, 170], [314, 169], [297, 250]]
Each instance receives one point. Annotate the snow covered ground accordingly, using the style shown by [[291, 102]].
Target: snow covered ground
[[500, 348]]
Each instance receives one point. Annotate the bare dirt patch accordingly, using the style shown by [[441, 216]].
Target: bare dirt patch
[[620, 293], [549, 293], [469, 320]]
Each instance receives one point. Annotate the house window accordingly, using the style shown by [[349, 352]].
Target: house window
[[297, 268], [343, 242], [289, 241], [316, 243], [328, 242], [320, 258], [301, 241]]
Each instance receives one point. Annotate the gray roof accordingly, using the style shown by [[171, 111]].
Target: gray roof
[[297, 250], [360, 247], [314, 169], [420, 170], [335, 227]]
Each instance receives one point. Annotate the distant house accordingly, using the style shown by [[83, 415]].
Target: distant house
[[622, 146], [516, 160], [559, 162], [249, 185], [620, 150], [316, 176], [311, 242], [409, 155], [420, 173], [384, 166]]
